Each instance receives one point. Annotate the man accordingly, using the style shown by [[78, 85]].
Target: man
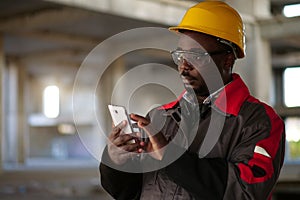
[[232, 144]]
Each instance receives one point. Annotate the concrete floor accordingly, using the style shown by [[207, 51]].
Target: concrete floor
[[81, 184], [54, 184]]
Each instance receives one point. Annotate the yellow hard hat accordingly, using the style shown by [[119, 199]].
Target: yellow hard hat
[[218, 19]]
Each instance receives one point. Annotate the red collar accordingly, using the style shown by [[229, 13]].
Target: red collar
[[232, 96], [229, 100], [173, 103]]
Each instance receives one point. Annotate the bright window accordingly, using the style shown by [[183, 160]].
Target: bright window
[[51, 101], [291, 10], [291, 86], [292, 126]]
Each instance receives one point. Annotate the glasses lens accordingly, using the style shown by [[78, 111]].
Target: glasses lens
[[194, 58], [177, 57]]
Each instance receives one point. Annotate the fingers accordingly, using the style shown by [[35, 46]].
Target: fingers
[[123, 139], [142, 121], [116, 130], [121, 147], [133, 147], [125, 149], [144, 124], [120, 155], [118, 137], [121, 125]]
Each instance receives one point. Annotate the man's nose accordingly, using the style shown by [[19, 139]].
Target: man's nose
[[184, 66]]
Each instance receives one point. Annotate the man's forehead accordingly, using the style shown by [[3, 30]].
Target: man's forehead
[[193, 40], [186, 41]]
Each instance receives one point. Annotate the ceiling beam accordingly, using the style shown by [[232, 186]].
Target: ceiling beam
[[292, 41], [61, 38], [284, 2], [280, 27], [57, 54], [280, 61], [37, 19], [167, 12]]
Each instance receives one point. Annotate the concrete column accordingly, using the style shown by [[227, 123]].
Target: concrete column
[[14, 137], [10, 150], [22, 130], [256, 67], [2, 68]]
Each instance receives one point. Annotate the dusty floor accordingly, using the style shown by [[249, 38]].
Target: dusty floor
[[68, 184]]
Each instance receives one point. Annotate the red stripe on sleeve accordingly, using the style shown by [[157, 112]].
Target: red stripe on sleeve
[[260, 161], [270, 144]]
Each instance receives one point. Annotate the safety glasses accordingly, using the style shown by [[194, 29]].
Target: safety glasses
[[192, 57]]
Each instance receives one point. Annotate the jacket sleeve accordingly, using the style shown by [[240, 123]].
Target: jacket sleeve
[[244, 175], [119, 184], [253, 176]]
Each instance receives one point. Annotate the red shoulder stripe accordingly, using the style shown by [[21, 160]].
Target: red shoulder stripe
[[171, 104]]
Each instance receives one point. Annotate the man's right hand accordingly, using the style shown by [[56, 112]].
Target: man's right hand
[[120, 147]]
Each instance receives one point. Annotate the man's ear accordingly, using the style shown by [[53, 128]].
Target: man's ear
[[229, 61]]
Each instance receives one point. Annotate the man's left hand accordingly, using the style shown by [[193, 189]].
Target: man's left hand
[[157, 140]]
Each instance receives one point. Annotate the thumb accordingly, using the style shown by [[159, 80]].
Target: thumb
[[150, 130]]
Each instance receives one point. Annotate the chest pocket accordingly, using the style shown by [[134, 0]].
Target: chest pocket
[[199, 135]]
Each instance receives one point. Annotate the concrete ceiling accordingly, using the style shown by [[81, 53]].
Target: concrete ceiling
[[36, 30], [35, 26], [46, 36]]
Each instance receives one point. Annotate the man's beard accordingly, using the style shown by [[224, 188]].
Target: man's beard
[[197, 91]]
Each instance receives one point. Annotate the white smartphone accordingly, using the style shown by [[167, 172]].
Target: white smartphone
[[119, 114]]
